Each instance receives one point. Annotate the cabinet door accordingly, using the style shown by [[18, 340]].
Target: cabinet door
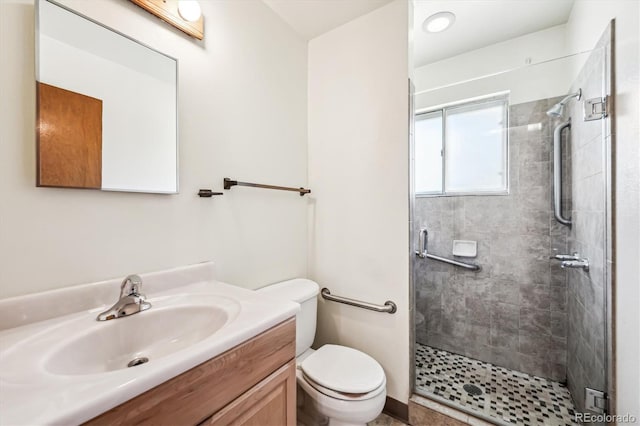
[[272, 402]]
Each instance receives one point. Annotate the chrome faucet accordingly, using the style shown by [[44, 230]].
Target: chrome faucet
[[564, 257], [578, 264], [572, 261], [131, 300]]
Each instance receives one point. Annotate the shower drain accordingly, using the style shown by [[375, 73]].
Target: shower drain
[[472, 390], [138, 361]]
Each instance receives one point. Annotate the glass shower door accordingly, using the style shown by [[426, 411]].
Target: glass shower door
[[520, 340]]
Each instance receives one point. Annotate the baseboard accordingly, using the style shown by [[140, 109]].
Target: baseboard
[[396, 409]]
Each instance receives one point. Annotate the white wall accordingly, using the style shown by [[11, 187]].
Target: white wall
[[242, 114], [588, 20], [358, 170], [485, 71]]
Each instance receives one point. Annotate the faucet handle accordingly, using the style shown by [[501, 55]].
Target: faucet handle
[[564, 257], [134, 285]]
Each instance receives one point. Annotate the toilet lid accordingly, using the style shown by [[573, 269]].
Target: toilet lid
[[343, 369]]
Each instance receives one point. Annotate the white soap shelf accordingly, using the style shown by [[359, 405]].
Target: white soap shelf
[[465, 248]]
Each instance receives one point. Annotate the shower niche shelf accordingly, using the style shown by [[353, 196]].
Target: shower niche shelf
[[465, 248]]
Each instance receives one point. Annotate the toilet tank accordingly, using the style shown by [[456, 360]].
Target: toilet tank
[[305, 292]]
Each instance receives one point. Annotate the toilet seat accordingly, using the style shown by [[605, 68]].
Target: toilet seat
[[343, 371], [342, 395]]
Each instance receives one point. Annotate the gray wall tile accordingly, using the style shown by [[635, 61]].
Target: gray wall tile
[[535, 321], [493, 314], [522, 311]]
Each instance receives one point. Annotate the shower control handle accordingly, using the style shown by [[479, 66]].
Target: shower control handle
[[564, 257], [576, 264]]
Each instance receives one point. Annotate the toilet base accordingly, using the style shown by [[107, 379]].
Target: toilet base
[[324, 411], [306, 411]]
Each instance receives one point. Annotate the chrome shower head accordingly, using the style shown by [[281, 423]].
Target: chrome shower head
[[558, 109]]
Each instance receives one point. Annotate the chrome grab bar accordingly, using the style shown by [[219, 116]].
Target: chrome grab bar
[[469, 266], [557, 173], [423, 242], [388, 307]]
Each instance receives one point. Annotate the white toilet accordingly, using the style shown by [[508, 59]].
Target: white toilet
[[343, 385]]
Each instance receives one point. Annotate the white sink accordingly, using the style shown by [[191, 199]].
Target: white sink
[[80, 345], [58, 365], [140, 338]]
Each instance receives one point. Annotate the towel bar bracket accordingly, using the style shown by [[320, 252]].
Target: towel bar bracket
[[208, 193]]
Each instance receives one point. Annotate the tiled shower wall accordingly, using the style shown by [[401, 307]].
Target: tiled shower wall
[[590, 142], [513, 312]]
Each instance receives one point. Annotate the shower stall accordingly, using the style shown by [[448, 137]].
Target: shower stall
[[511, 230]]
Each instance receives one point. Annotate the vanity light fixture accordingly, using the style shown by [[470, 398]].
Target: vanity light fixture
[[189, 10], [438, 22], [185, 15]]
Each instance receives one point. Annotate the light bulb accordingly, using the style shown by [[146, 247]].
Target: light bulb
[[438, 22], [189, 10]]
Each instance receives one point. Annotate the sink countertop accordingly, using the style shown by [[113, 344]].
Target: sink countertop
[[31, 394]]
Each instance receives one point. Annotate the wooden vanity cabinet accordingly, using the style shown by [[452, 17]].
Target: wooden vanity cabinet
[[253, 384], [264, 404]]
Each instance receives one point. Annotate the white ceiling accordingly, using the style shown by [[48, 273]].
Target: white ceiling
[[480, 23], [310, 18]]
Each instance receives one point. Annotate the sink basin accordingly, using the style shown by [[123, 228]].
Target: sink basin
[[138, 339], [58, 365]]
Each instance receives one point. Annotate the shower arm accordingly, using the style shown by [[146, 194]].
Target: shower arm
[[557, 109], [577, 95]]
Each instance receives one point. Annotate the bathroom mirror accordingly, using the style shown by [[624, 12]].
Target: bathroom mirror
[[106, 107]]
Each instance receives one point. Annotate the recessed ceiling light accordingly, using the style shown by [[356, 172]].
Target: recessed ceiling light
[[438, 22]]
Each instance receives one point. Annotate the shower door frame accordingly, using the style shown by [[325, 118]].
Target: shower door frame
[[608, 136]]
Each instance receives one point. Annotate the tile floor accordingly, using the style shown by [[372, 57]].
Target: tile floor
[[507, 395], [385, 420], [381, 420]]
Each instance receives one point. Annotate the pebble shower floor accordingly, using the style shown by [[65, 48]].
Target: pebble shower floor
[[508, 395]]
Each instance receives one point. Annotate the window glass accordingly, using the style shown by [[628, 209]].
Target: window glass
[[467, 141], [476, 148], [428, 153]]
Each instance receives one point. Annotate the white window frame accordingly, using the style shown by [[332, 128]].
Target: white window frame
[[443, 109]]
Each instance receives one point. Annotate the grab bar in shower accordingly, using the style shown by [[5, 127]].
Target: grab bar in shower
[[423, 242], [557, 173], [469, 266], [388, 307]]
